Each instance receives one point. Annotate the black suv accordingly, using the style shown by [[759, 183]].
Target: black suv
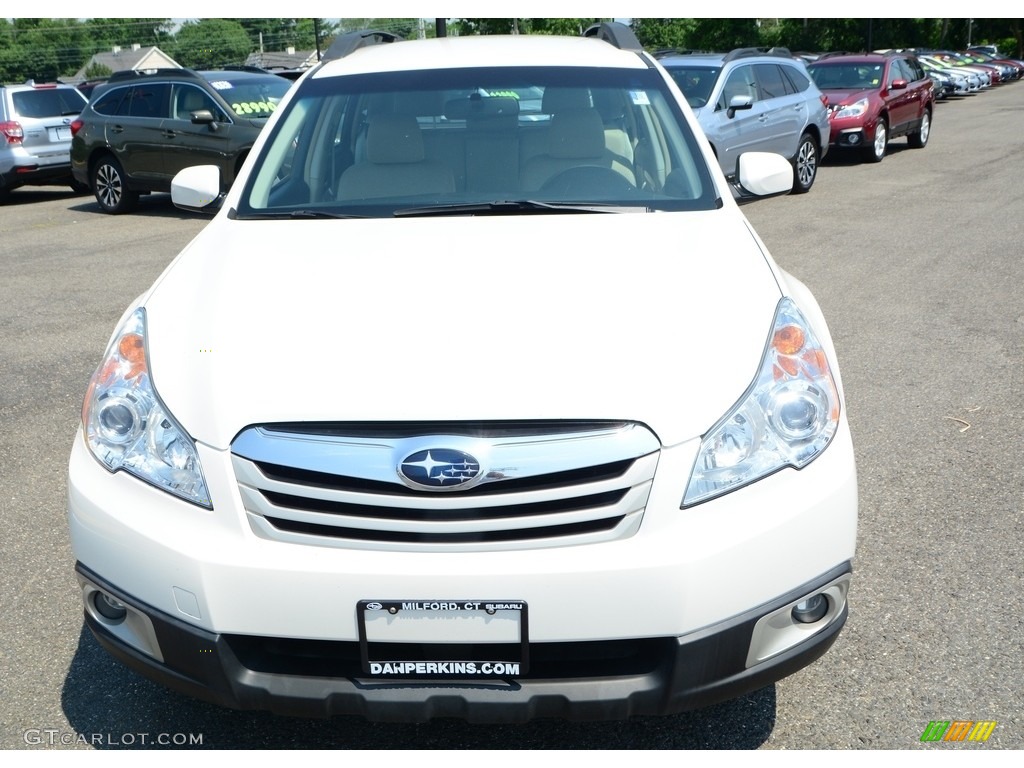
[[142, 127]]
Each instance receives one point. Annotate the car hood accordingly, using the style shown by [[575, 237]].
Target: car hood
[[660, 318], [843, 96]]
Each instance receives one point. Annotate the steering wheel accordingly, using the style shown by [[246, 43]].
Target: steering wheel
[[588, 181]]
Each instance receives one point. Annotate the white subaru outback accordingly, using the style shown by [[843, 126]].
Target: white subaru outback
[[478, 398]]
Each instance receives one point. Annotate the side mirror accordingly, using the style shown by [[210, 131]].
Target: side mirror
[[203, 117], [738, 103], [197, 189], [762, 174]]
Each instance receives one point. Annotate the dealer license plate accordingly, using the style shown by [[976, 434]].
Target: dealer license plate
[[435, 639]]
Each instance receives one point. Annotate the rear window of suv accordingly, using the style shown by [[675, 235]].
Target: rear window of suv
[[48, 102]]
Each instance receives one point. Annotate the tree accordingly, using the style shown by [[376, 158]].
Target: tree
[[725, 34], [483, 26], [569, 27], [211, 43], [47, 48], [106, 33], [658, 34], [97, 70]]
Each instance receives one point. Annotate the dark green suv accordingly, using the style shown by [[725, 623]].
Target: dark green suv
[[142, 127]]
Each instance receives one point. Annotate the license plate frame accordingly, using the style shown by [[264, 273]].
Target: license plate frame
[[385, 625]]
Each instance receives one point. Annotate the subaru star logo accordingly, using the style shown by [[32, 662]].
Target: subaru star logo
[[439, 468]]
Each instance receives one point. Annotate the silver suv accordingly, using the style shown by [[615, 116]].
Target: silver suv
[[752, 99], [35, 135]]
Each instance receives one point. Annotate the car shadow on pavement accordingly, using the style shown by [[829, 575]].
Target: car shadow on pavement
[[31, 195], [110, 707], [844, 157], [156, 204]]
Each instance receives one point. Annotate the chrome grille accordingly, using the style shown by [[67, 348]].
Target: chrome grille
[[546, 486]]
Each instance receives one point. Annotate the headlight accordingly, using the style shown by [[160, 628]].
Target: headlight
[[856, 109], [786, 418], [127, 427]]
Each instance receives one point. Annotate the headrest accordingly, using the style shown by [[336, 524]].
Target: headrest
[[556, 99], [577, 134], [192, 100], [394, 139]]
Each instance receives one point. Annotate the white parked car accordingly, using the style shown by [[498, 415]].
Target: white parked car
[[455, 411]]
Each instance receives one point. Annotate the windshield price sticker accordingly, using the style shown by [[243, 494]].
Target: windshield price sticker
[[385, 625]]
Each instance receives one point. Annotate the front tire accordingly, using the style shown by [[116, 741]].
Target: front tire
[[919, 138], [805, 165], [111, 189], [876, 151]]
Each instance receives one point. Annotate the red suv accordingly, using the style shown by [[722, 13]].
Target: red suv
[[873, 98]]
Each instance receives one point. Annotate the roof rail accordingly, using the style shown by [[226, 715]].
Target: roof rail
[[616, 33], [130, 74], [245, 68], [831, 54], [347, 43], [742, 53], [663, 52]]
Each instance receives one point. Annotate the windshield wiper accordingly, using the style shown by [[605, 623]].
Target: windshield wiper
[[513, 206], [302, 213]]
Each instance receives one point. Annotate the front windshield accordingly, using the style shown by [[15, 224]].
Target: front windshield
[[696, 83], [377, 145]]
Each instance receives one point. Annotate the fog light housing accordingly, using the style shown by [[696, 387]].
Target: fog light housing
[[109, 608], [854, 138], [811, 610]]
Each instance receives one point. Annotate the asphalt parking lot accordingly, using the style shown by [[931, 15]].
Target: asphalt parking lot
[[917, 264]]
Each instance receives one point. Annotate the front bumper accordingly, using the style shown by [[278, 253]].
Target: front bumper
[[572, 681], [692, 608], [852, 138]]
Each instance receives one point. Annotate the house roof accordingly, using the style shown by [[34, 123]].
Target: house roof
[[136, 57]]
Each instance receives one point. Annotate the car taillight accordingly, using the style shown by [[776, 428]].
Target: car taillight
[[824, 100], [76, 126], [12, 132]]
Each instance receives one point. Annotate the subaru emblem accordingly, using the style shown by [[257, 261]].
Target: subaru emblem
[[437, 469]]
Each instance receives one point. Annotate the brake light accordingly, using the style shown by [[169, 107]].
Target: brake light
[[12, 132], [824, 100], [76, 126]]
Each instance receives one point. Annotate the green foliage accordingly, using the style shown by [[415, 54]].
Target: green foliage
[[483, 26], [547, 26], [271, 34], [106, 33], [725, 34], [47, 49], [404, 28], [97, 70], [658, 34], [558, 26], [211, 43]]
